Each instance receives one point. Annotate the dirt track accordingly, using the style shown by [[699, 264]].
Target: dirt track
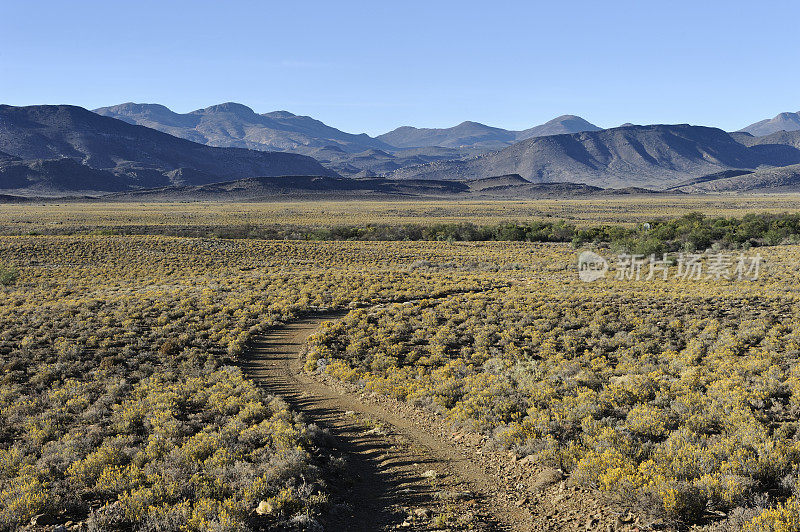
[[407, 472]]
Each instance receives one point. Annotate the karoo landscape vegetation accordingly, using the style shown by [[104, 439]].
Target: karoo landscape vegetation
[[236, 320]]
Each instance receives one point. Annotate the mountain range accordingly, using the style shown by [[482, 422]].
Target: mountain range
[[480, 136], [51, 148], [236, 125], [655, 156], [309, 188], [60, 150], [233, 125], [375, 162], [390, 154]]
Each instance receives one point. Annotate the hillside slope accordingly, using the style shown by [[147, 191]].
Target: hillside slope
[[782, 122], [131, 156], [654, 156], [507, 187], [235, 125], [561, 125], [478, 137], [466, 134], [763, 181], [780, 138]]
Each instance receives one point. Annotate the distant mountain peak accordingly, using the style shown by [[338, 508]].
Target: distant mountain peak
[[564, 124], [62, 147], [471, 123], [132, 106], [467, 134], [781, 122], [228, 107], [470, 134], [232, 124], [279, 114], [644, 156]]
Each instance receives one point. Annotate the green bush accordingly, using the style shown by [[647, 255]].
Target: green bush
[[8, 275]]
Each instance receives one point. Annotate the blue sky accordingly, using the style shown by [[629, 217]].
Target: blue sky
[[373, 66]]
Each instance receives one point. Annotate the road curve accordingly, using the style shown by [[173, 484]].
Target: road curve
[[401, 471]]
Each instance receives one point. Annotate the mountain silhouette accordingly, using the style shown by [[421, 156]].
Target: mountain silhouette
[[131, 156]]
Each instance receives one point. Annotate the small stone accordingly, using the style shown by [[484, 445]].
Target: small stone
[[521, 502], [422, 513], [430, 473], [265, 508]]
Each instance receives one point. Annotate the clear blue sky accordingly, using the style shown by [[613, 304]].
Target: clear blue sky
[[372, 66]]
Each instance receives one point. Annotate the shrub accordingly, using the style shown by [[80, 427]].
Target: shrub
[[8, 275]]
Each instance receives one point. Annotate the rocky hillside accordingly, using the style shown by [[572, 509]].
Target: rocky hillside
[[477, 137], [235, 125], [764, 181], [782, 122], [656, 156], [106, 154]]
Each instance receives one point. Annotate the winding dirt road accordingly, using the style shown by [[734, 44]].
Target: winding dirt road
[[405, 471], [404, 478]]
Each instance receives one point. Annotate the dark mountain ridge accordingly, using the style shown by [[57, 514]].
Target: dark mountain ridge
[[762, 181], [126, 155], [51, 150], [654, 156], [337, 188], [235, 125]]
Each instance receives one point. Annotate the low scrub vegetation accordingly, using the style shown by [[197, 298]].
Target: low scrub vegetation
[[121, 405], [120, 402], [679, 397], [691, 232], [8, 275]]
